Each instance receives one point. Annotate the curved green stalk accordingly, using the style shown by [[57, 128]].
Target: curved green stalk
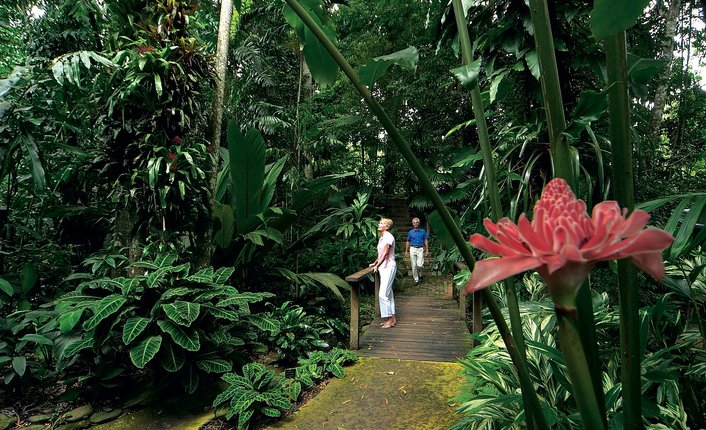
[[494, 197], [619, 111], [413, 162]]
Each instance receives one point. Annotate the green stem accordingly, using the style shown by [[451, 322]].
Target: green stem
[[619, 111], [494, 196], [563, 168], [579, 373], [427, 186], [551, 91]]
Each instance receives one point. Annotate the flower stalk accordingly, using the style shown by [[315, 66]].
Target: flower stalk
[[577, 365]]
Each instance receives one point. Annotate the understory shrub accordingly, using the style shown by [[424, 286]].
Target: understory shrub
[[319, 365], [261, 392], [491, 397], [166, 320], [296, 332]]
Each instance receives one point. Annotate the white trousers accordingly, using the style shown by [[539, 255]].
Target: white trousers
[[417, 257], [386, 295]]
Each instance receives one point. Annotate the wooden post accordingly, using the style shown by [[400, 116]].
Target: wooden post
[[354, 281], [377, 294], [355, 316]]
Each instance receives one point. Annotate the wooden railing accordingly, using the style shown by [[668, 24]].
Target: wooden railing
[[354, 280]]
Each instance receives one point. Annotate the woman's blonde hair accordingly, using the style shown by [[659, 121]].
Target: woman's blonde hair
[[387, 222]]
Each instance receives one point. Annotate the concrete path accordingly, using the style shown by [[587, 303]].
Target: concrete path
[[382, 393]]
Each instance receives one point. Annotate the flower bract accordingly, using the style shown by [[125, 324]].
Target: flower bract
[[564, 243]]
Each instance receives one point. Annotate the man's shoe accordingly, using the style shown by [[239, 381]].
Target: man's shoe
[[416, 282]]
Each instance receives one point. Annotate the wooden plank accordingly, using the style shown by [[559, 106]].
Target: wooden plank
[[357, 276]]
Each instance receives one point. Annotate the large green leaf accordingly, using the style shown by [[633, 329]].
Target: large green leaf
[[185, 337], [171, 359], [591, 106], [322, 66], [106, 307], [468, 74], [440, 230], [37, 338], [181, 312], [314, 188], [215, 365], [224, 214], [76, 346], [272, 172], [68, 320], [203, 276], [145, 351], [376, 68], [247, 168], [242, 298], [263, 323], [28, 278], [222, 275], [6, 287], [610, 17], [133, 328], [19, 364]]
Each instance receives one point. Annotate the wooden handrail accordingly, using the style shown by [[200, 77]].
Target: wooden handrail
[[354, 281], [477, 303]]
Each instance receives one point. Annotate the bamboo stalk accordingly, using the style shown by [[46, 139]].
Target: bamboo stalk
[[416, 167]]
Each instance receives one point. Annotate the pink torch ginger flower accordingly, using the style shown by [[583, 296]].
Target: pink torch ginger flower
[[563, 243]]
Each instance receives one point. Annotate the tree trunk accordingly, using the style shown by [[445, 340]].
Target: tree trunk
[[306, 88], [202, 254], [666, 52], [127, 236]]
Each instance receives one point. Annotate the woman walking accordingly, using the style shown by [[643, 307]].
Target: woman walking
[[386, 265]]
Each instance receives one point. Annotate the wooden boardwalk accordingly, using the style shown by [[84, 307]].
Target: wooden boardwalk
[[428, 328]]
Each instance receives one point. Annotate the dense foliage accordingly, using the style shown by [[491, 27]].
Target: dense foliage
[[133, 245]]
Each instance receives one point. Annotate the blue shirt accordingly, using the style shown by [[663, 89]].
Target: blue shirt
[[417, 237]]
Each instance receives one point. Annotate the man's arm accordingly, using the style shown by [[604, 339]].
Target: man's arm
[[426, 243], [406, 248]]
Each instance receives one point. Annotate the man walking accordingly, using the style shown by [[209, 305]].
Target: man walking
[[418, 241]]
